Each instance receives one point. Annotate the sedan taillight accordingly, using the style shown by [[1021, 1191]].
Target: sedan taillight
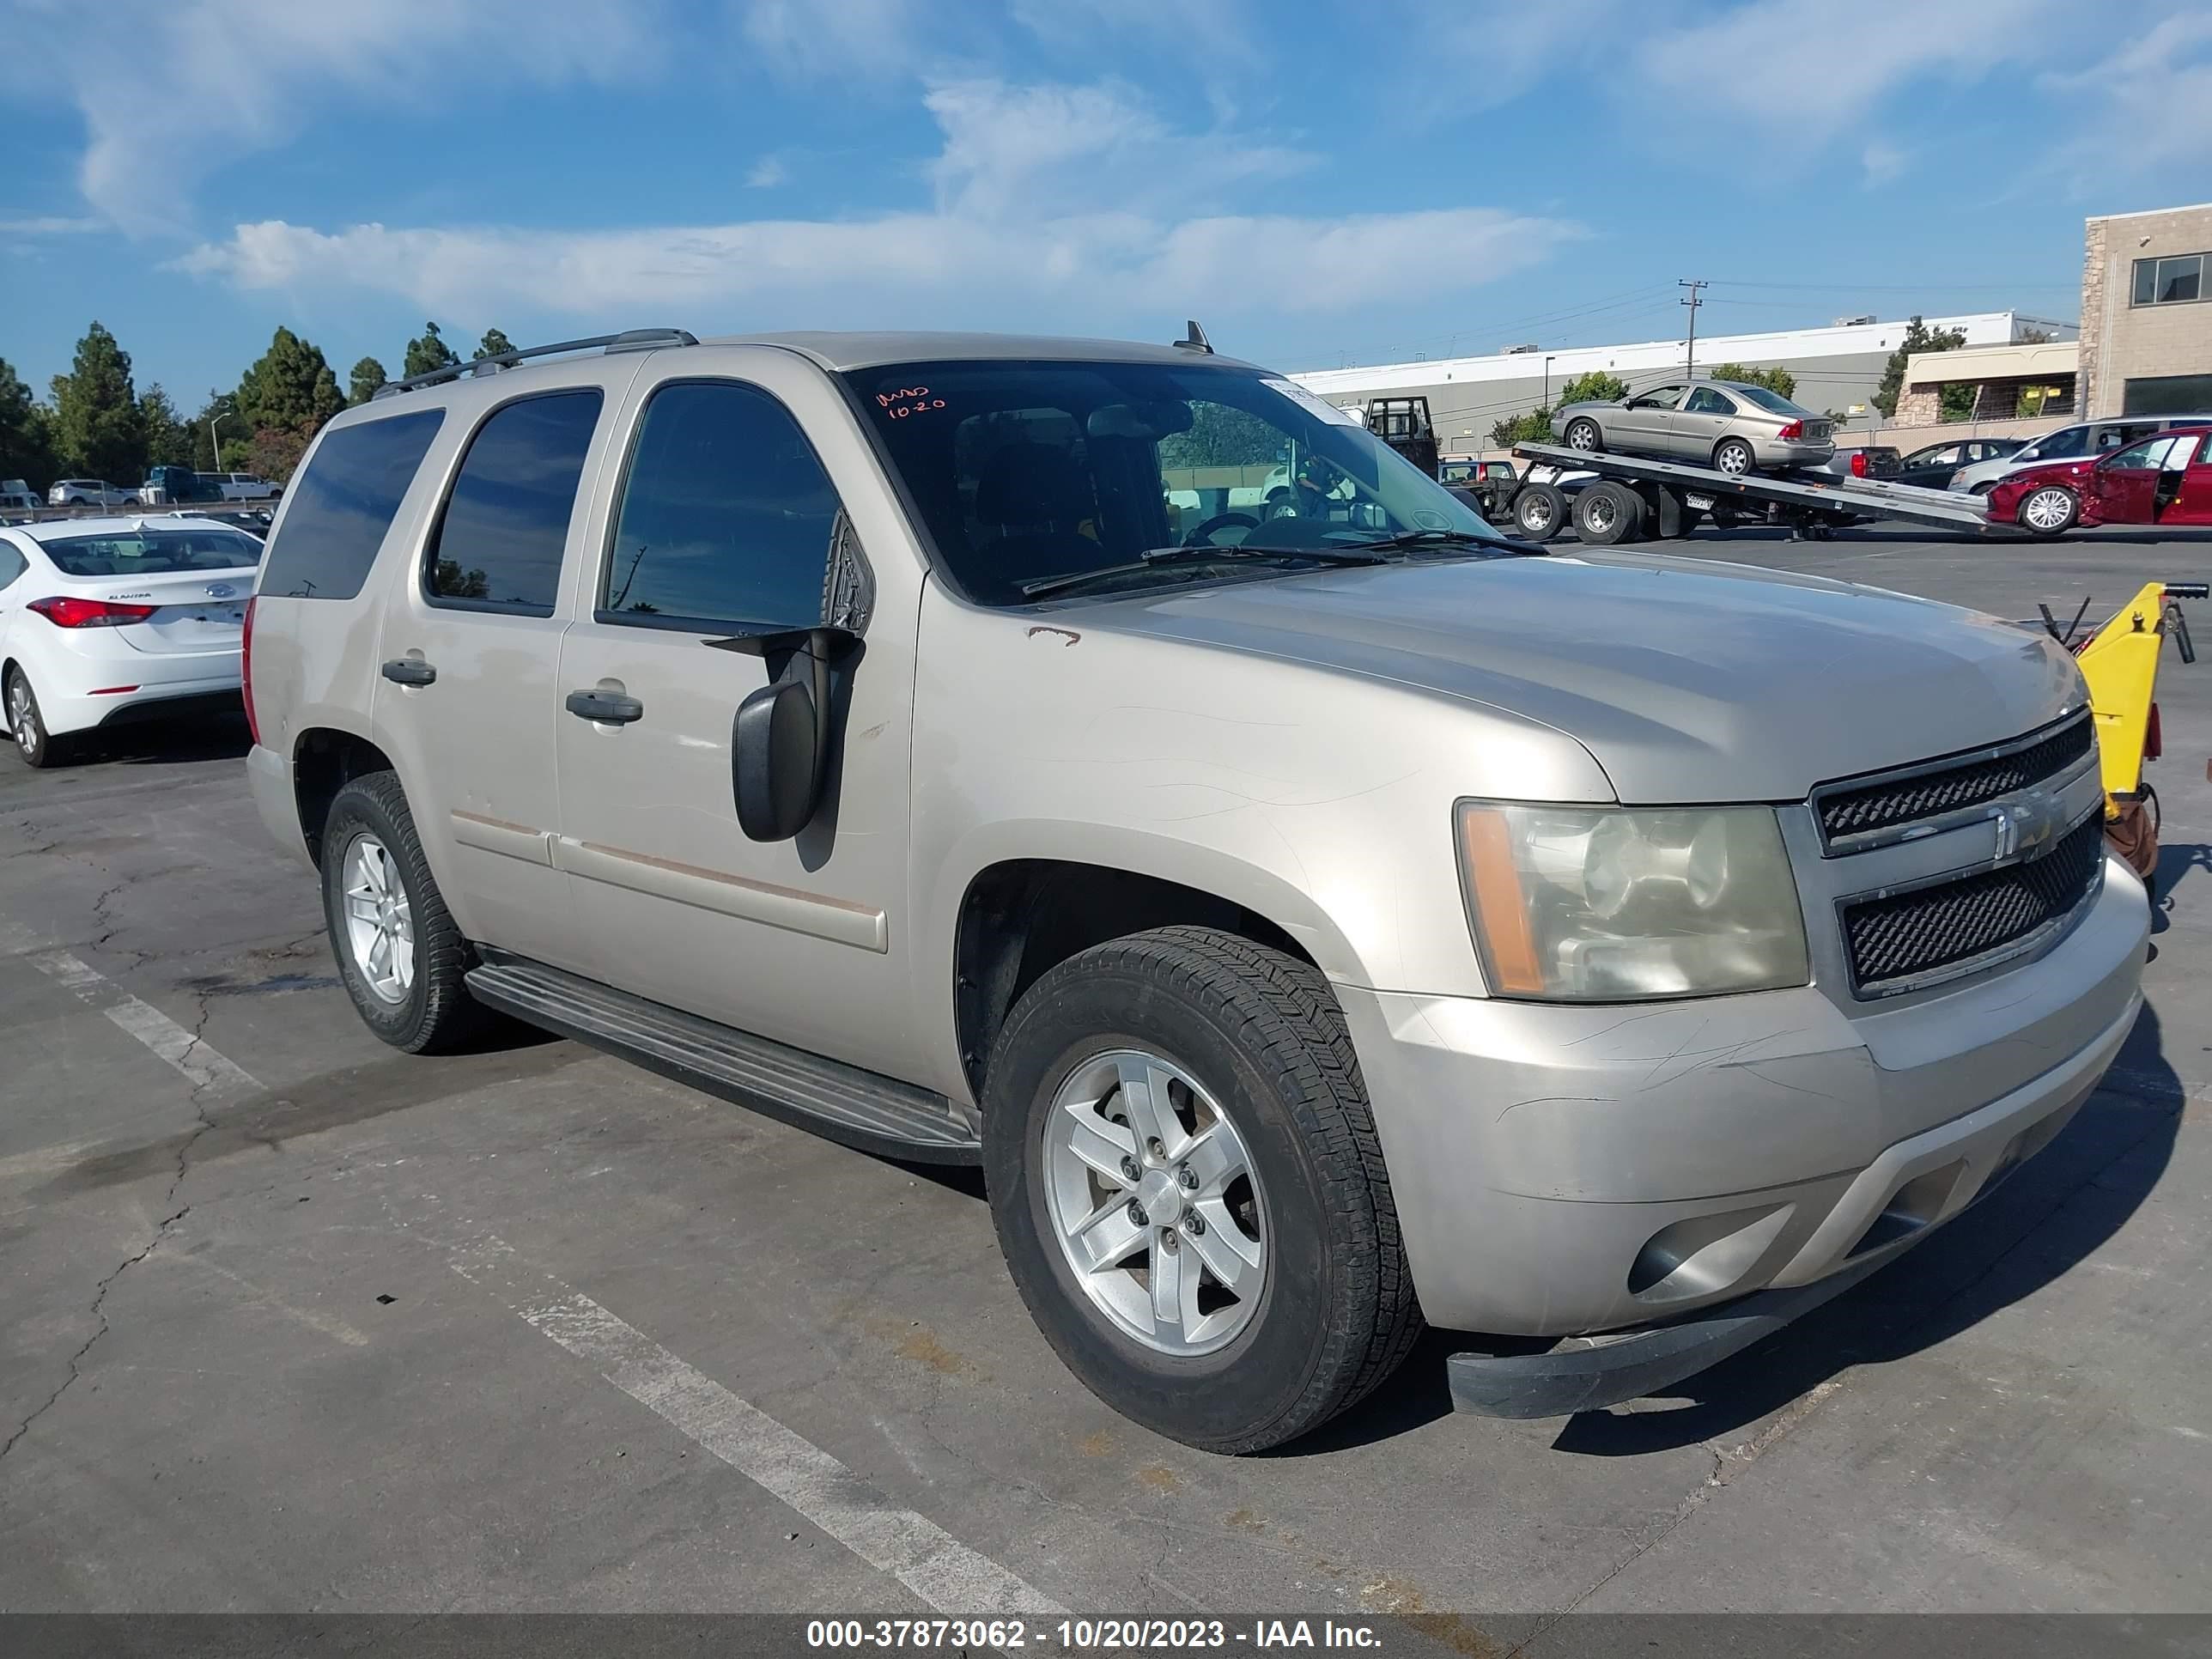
[[1794, 429], [90, 613]]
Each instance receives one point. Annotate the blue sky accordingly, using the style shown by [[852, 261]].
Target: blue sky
[[1317, 182]]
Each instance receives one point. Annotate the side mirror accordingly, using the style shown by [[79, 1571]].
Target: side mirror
[[780, 737], [772, 749]]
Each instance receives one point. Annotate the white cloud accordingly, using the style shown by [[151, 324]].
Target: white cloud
[[260, 70], [1803, 71], [49, 225], [1049, 202], [767, 173], [1881, 163], [1214, 31], [904, 269], [2149, 103], [836, 39], [1032, 148]]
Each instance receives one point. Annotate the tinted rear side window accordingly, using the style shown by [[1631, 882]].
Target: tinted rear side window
[[344, 504], [499, 542]]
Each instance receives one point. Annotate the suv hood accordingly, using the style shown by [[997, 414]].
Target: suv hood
[[1687, 680]]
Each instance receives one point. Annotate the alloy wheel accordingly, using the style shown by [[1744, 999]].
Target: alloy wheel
[[1155, 1202], [379, 924], [21, 721], [2048, 509]]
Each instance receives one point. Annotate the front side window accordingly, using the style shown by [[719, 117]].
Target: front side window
[[153, 552], [2169, 280], [337, 511], [2146, 455], [726, 515], [499, 542], [1660, 397], [1023, 472]]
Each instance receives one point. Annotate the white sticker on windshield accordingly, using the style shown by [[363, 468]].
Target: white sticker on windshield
[[1313, 405]]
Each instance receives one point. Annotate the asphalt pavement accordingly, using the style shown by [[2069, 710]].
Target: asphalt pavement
[[290, 1321]]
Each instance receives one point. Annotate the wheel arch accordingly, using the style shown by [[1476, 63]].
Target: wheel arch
[[325, 759], [1019, 915]]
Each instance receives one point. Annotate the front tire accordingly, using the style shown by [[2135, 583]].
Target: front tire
[[38, 746], [400, 955], [1584, 435], [2049, 510], [1247, 1282]]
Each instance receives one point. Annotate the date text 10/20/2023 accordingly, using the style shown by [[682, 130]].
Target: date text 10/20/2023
[[1089, 1635]]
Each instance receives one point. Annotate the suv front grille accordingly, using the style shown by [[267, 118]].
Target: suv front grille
[[1929, 793], [1889, 942]]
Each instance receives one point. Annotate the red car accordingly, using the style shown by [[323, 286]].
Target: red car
[[2165, 479]]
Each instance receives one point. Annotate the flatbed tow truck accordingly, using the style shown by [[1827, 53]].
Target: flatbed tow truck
[[1624, 498]]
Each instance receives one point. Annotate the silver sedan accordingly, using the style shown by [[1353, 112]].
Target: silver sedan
[[1726, 424]]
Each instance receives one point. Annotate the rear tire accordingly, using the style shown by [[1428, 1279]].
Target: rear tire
[[38, 746], [413, 994], [1607, 514], [1583, 434], [1540, 512], [1735, 458], [1331, 1311], [2048, 510]]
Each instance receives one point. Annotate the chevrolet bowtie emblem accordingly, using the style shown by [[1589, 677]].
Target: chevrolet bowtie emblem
[[2023, 823]]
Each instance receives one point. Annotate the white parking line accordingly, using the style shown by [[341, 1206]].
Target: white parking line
[[207, 1070], [921, 1555]]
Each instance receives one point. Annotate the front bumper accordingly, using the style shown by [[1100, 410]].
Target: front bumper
[[1560, 1170]]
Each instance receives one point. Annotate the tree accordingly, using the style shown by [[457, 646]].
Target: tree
[[274, 452], [27, 439], [2034, 337], [1780, 381], [96, 424], [367, 375], [289, 387], [494, 343], [1918, 338], [168, 440], [426, 352], [1536, 427]]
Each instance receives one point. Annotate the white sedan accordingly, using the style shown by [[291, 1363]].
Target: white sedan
[[110, 622]]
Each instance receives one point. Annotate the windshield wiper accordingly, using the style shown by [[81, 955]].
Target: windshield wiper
[[1155, 558], [1446, 539]]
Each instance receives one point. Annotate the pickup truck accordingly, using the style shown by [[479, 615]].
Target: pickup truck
[[1315, 922]]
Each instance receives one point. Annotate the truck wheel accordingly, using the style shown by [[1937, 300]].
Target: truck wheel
[[1583, 434], [1539, 510], [1608, 513], [2051, 510], [399, 954], [1186, 1180], [1734, 457], [38, 746]]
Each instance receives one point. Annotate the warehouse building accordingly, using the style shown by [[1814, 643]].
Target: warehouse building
[[1835, 368]]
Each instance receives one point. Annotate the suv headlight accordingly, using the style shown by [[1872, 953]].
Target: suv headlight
[[1611, 904]]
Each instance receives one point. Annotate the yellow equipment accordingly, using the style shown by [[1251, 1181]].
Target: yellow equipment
[[2120, 662]]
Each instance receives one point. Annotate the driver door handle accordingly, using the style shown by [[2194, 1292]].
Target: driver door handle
[[606, 707], [409, 670]]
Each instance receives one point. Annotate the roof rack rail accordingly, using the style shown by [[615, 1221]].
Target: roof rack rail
[[631, 339]]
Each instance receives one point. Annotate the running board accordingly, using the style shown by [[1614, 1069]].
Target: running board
[[876, 1113]]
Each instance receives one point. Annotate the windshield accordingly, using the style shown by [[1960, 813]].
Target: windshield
[[1772, 402], [153, 552], [1025, 470]]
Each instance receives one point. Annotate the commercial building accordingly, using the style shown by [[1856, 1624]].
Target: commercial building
[[1835, 368], [2146, 322]]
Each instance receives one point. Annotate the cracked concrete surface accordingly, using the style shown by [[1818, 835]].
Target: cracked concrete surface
[[241, 1376]]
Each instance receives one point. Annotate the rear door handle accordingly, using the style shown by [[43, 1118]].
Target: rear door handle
[[410, 671], [606, 707]]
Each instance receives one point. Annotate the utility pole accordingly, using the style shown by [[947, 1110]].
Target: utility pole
[[1692, 299]]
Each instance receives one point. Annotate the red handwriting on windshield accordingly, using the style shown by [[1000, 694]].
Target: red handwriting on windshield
[[907, 400]]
